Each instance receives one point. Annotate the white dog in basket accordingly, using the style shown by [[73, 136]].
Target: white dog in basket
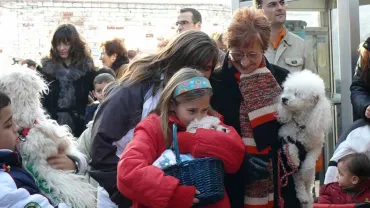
[[45, 138], [305, 113]]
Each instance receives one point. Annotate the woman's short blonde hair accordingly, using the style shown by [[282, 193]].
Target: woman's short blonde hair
[[247, 26]]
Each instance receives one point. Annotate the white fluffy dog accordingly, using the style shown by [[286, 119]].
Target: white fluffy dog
[[208, 122], [45, 138], [305, 113]]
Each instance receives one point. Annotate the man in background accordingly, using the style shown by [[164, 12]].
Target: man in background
[[286, 49]]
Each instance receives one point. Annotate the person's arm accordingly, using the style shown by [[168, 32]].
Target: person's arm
[[144, 183], [84, 142], [360, 96], [116, 118], [227, 147], [13, 197], [325, 196]]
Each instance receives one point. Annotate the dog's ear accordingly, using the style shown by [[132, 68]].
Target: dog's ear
[[321, 117], [283, 114]]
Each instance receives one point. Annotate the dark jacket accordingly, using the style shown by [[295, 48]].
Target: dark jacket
[[116, 118], [332, 194], [360, 94], [69, 89], [226, 100], [18, 187]]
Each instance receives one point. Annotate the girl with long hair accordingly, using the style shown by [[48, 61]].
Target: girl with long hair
[[69, 70], [137, 94]]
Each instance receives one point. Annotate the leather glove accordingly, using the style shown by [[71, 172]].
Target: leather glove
[[255, 169]]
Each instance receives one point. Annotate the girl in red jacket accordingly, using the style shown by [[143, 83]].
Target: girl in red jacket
[[353, 184], [186, 97]]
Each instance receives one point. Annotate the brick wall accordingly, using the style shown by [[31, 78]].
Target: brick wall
[[27, 25]]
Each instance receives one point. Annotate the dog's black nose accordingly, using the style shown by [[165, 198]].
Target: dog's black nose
[[284, 100]]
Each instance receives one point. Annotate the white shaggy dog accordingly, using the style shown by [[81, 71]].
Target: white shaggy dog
[[208, 122], [305, 113], [45, 138]]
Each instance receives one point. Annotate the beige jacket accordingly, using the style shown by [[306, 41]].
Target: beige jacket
[[291, 54]]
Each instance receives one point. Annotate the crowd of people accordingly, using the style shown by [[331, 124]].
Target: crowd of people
[[122, 115]]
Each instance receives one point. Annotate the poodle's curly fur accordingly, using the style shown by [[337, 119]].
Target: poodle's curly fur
[[46, 138], [208, 122], [306, 115]]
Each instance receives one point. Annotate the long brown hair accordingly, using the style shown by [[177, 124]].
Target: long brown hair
[[167, 99], [189, 49], [79, 50], [365, 64]]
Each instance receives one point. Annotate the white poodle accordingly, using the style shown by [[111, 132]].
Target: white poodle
[[45, 138], [208, 122], [305, 113]]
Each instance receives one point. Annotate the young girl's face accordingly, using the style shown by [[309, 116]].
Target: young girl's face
[[344, 177], [188, 111]]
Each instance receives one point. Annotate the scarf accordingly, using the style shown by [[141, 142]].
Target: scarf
[[259, 127]]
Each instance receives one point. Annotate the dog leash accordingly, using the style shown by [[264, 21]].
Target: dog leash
[[283, 180]]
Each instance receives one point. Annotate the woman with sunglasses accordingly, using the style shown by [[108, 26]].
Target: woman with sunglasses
[[235, 85]]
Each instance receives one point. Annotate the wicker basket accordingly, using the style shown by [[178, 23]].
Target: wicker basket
[[206, 174]]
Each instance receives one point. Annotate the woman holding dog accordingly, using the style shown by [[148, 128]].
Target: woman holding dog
[[249, 84], [135, 97], [69, 70]]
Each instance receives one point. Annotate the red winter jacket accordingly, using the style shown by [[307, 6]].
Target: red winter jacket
[[148, 186], [332, 194]]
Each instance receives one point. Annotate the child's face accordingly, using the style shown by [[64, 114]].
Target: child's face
[[188, 111], [345, 178], [98, 91], [8, 130]]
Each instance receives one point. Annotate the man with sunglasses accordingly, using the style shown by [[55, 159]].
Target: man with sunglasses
[[285, 49], [189, 19]]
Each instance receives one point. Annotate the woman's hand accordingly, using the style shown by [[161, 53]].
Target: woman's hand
[[367, 112], [62, 162], [195, 200]]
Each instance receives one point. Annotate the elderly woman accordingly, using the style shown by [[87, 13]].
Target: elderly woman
[[114, 55], [250, 85]]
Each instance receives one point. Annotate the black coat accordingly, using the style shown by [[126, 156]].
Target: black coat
[[226, 100], [69, 87], [360, 94]]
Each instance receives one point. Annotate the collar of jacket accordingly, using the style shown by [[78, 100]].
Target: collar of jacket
[[287, 37], [10, 158], [173, 120], [58, 70], [359, 188]]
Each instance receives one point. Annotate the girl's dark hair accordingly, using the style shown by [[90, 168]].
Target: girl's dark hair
[[358, 164], [116, 46], [4, 100], [67, 33]]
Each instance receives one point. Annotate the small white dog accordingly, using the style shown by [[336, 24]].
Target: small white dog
[[45, 138], [208, 122], [305, 113]]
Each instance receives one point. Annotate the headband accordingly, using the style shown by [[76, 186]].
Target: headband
[[192, 84]]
